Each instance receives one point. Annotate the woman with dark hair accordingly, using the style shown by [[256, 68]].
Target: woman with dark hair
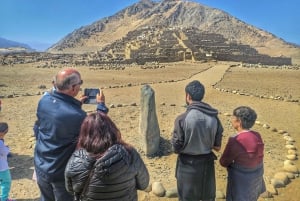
[[243, 158], [104, 167]]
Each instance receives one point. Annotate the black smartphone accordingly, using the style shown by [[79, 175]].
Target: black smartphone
[[91, 94]]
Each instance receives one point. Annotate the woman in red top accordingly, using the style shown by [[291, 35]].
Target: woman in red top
[[243, 158]]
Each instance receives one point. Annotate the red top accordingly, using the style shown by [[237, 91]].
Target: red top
[[245, 149]]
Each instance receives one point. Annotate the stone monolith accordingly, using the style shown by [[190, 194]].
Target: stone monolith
[[149, 128]]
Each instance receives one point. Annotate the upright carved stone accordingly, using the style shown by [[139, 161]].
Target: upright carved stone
[[149, 128]]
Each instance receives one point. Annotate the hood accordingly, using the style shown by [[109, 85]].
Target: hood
[[203, 107], [114, 162]]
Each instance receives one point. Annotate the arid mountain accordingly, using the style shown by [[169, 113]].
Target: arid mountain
[[173, 14], [9, 46]]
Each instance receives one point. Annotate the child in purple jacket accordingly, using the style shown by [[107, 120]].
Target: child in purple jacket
[[5, 177]]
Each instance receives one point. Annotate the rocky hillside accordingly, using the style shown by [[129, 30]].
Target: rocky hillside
[[173, 14]]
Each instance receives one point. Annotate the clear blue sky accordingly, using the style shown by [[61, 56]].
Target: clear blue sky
[[42, 23]]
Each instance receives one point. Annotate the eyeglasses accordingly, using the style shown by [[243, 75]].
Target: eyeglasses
[[79, 83]]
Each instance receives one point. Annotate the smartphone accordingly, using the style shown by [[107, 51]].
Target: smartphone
[[91, 94]]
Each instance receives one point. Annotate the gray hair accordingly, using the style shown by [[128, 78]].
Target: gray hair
[[246, 115], [67, 82]]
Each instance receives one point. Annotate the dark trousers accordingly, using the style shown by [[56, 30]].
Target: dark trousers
[[196, 177], [245, 184], [53, 191]]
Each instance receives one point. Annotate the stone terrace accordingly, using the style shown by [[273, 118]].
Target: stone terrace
[[158, 44]]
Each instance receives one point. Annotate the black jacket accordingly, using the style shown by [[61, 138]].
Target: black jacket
[[115, 176]]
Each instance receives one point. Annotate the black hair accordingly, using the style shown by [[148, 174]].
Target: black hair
[[3, 127], [196, 90]]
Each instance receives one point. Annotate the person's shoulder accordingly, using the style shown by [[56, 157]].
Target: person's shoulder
[[233, 137], [133, 150], [182, 115], [82, 156], [135, 157], [245, 136], [46, 96], [255, 132]]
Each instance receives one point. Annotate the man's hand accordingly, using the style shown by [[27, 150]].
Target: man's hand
[[100, 97], [217, 148], [82, 98]]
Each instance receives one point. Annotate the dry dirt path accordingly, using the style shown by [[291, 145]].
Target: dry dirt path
[[172, 92]]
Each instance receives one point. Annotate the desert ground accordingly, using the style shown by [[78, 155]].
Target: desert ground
[[272, 91]]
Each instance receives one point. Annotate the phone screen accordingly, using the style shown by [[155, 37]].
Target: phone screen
[[91, 94]]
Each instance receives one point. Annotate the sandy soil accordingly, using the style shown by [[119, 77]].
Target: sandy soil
[[122, 89]]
